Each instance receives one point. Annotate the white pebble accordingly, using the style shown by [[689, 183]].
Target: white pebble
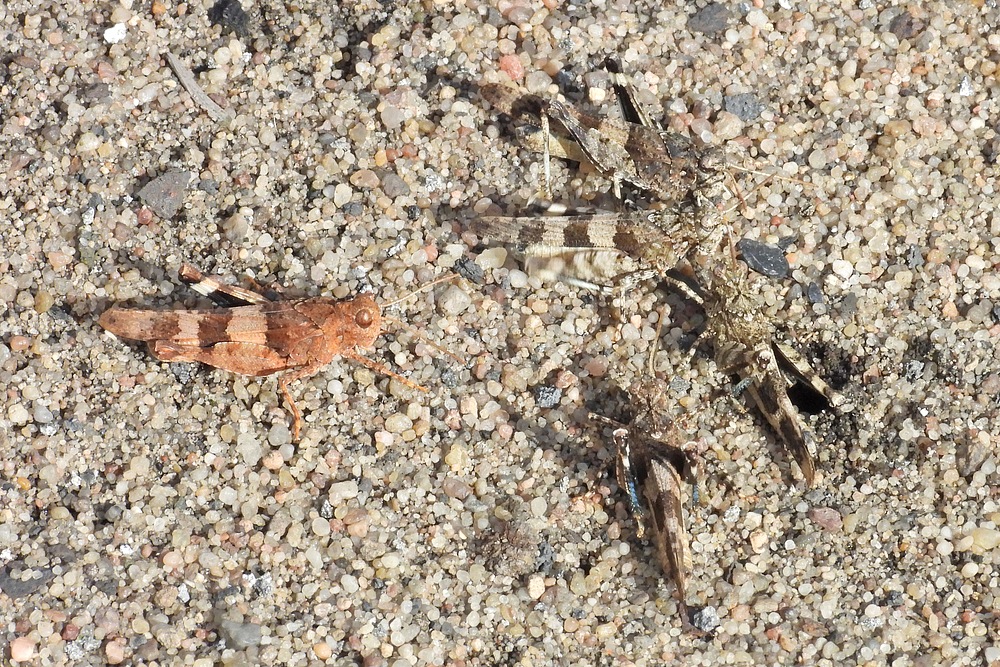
[[536, 586], [249, 448], [88, 142], [18, 414], [539, 507], [454, 300], [115, 33], [349, 583], [341, 491], [342, 194], [228, 495], [518, 279], [492, 258], [398, 423], [842, 268], [873, 611]]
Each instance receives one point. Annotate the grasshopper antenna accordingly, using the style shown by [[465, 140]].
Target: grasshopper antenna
[[413, 330]]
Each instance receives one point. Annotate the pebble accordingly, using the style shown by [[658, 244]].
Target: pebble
[[240, 636], [455, 300], [164, 195], [88, 142], [537, 82], [342, 194], [237, 225], [43, 301], [398, 423], [249, 448], [22, 649], [536, 586], [511, 64], [706, 619], [744, 106], [764, 258], [18, 414], [342, 491], [394, 186], [710, 19], [842, 268], [322, 650], [539, 507], [492, 258], [115, 33], [547, 397], [114, 652], [984, 539], [826, 518], [365, 178]]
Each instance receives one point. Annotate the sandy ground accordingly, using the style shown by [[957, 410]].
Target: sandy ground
[[159, 514]]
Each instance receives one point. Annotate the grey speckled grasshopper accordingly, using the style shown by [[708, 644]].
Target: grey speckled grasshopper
[[746, 345]]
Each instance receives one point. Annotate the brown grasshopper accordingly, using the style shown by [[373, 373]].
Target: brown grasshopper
[[261, 334], [690, 180], [660, 240], [635, 150], [746, 345], [655, 462]]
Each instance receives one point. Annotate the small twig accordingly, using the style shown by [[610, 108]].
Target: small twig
[[186, 77]]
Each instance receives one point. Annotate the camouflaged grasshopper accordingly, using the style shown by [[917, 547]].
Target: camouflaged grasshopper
[[598, 249], [635, 150], [746, 345], [655, 463]]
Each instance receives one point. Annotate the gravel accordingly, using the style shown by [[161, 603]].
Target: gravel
[[152, 517]]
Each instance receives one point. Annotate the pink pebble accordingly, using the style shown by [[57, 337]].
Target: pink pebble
[[511, 64], [22, 649]]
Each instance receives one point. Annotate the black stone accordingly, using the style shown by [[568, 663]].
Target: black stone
[[814, 293], [764, 258], [229, 15]]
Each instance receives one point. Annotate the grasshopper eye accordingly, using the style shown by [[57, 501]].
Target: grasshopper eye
[[364, 319]]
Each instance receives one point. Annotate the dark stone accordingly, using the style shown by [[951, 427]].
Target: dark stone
[[97, 92], [547, 397], [745, 105], [894, 599], [164, 195], [814, 293], [710, 19], [16, 587], [705, 619], [546, 558], [393, 186], [469, 270], [353, 208], [229, 15], [906, 26], [764, 258], [849, 304]]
